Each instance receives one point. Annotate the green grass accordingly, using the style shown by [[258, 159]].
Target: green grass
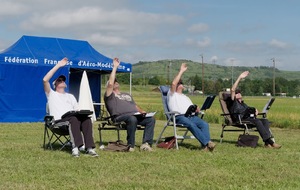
[[26, 165], [284, 112]]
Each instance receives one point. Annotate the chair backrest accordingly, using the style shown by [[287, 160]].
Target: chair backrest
[[225, 103], [208, 102], [164, 92]]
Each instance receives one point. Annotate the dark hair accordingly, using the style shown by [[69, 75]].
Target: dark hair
[[179, 82], [237, 91]]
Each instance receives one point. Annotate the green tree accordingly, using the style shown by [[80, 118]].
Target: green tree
[[154, 80]]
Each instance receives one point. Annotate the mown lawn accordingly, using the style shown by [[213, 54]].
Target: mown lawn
[[26, 165]]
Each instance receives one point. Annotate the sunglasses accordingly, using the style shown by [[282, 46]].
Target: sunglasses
[[58, 81]]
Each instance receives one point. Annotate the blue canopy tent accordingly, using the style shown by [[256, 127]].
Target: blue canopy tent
[[24, 64]]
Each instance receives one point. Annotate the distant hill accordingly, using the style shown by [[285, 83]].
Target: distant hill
[[168, 69]]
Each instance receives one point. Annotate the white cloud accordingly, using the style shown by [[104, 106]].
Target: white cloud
[[232, 61], [214, 59], [198, 28], [278, 44], [96, 18], [205, 42], [107, 40], [10, 8]]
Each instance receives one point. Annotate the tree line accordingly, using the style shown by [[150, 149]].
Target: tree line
[[255, 87]]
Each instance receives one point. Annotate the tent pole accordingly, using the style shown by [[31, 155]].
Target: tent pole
[[130, 81]]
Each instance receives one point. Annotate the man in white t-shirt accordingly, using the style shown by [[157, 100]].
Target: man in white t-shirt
[[180, 103], [60, 102]]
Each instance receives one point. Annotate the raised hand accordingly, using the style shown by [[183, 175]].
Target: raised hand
[[244, 74], [63, 62], [116, 62], [183, 67]]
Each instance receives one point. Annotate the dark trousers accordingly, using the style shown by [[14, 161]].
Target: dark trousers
[[81, 130], [131, 125], [262, 125]]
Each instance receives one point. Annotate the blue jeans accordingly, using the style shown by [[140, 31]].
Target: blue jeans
[[198, 127], [131, 125]]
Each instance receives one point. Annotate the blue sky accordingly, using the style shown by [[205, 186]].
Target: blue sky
[[231, 32]]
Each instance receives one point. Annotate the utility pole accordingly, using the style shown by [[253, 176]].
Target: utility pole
[[232, 60], [202, 74], [169, 72], [273, 59]]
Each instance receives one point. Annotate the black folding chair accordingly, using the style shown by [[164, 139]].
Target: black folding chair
[[56, 133], [107, 124], [237, 124]]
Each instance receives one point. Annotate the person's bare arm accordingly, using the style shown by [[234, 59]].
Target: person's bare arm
[[49, 75], [140, 109], [234, 86], [175, 81], [112, 77]]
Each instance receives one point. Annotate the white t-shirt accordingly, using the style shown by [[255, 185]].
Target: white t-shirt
[[178, 102], [60, 103]]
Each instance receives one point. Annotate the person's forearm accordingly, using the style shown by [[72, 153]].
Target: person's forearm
[[49, 75], [234, 86], [139, 109], [177, 78], [112, 76]]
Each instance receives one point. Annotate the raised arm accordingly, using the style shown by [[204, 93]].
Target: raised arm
[[112, 77], [49, 75], [175, 81], [234, 86]]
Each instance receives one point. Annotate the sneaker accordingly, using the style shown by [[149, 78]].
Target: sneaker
[[131, 149], [146, 147], [92, 152], [211, 146], [274, 145], [206, 149], [75, 152], [82, 148]]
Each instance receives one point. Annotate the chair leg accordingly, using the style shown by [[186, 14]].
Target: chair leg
[[222, 133], [175, 135], [246, 131], [118, 131], [176, 144], [160, 135], [68, 140], [45, 134], [100, 136], [185, 133]]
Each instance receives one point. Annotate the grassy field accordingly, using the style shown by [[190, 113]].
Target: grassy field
[[284, 112], [26, 165]]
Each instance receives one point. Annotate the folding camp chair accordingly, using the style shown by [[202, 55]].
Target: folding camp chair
[[107, 124], [170, 116], [56, 133], [239, 125]]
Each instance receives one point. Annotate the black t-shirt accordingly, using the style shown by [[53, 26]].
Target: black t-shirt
[[238, 108]]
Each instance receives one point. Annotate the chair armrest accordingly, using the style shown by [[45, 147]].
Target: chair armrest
[[172, 113], [49, 120], [263, 114]]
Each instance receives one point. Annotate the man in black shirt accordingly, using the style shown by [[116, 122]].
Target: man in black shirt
[[250, 113]]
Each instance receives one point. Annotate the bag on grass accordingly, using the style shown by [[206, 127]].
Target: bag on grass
[[168, 143], [247, 140], [117, 146]]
